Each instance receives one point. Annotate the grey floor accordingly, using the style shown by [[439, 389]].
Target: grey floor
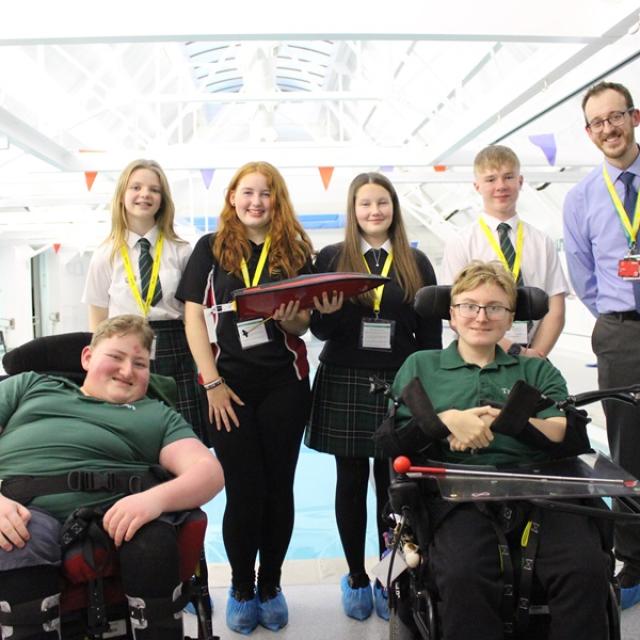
[[315, 614]]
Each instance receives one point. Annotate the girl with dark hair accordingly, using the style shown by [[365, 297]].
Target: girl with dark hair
[[368, 336], [255, 374]]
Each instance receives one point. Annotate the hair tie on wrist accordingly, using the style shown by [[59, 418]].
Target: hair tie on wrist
[[213, 384]]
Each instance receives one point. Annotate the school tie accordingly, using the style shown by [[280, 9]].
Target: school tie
[[507, 249], [378, 256], [145, 264], [630, 197]]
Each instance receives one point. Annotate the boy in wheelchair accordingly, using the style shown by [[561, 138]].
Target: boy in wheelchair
[[460, 424], [54, 436]]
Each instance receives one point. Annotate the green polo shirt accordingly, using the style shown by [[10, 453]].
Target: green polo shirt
[[50, 427], [452, 383]]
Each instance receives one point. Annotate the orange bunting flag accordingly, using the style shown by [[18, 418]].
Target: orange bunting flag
[[325, 174], [56, 246], [89, 178], [439, 168]]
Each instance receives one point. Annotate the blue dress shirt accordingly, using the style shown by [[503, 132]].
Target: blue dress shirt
[[595, 240]]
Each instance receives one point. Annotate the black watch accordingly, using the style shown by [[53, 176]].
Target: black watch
[[515, 349]]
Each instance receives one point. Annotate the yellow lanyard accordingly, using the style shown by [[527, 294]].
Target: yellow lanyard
[[631, 231], [378, 291], [496, 247], [144, 305], [259, 268]]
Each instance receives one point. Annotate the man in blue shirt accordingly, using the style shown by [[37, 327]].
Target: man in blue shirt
[[600, 229]]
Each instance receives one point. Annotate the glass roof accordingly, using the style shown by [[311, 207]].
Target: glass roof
[[356, 93]]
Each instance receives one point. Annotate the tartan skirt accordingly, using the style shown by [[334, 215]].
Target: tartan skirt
[[344, 415], [173, 359]]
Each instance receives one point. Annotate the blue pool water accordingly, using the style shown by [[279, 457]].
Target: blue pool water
[[314, 534]]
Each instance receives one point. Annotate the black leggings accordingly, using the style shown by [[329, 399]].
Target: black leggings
[[259, 460], [351, 506]]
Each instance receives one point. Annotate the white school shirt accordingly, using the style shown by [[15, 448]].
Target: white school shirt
[[107, 285], [540, 266]]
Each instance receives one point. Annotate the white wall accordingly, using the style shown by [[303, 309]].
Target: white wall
[[15, 292]]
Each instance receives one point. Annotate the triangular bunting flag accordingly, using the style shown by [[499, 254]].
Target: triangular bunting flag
[[547, 142], [56, 246], [207, 177], [325, 174], [89, 178]]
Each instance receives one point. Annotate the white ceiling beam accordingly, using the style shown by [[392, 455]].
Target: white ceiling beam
[[29, 139], [539, 89], [42, 21]]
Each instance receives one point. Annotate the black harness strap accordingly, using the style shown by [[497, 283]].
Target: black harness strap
[[158, 609], [28, 613], [529, 543], [24, 489], [506, 565]]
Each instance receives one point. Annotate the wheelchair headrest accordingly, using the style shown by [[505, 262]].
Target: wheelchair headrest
[[434, 302], [58, 355]]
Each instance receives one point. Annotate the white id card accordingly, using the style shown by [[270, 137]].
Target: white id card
[[381, 570], [518, 333], [376, 334], [211, 325], [252, 333], [152, 353]]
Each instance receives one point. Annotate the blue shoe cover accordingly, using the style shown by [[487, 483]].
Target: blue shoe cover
[[381, 598], [190, 608], [357, 603], [629, 597], [242, 615], [273, 614]]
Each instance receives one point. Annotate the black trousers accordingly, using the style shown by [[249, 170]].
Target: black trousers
[[570, 564], [259, 461], [616, 343], [352, 483]]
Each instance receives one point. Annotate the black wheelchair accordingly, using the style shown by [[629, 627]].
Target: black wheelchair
[[574, 484], [92, 602]]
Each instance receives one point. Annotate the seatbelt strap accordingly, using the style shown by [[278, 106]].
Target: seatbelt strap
[[24, 489], [529, 542], [508, 576]]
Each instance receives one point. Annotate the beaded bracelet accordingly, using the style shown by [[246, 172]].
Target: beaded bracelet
[[213, 384]]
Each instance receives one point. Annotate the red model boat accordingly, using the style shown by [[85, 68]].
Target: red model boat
[[263, 300]]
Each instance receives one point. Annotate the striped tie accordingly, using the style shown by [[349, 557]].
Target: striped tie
[[507, 249], [630, 197], [145, 264]]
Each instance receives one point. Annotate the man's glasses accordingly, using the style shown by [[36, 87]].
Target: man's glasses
[[492, 311], [615, 119]]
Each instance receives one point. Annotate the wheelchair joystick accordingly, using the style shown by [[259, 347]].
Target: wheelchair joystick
[[401, 464]]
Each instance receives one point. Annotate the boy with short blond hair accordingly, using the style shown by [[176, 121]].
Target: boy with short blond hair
[[528, 253]]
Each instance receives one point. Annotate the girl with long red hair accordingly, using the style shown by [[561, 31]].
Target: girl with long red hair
[[255, 375]]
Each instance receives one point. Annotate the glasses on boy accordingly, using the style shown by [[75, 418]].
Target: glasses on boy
[[492, 311]]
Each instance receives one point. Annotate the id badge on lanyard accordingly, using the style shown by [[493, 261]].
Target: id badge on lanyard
[[518, 333], [629, 266], [252, 333], [376, 334]]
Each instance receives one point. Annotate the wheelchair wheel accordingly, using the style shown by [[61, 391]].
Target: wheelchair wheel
[[413, 613], [398, 629], [613, 613]]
